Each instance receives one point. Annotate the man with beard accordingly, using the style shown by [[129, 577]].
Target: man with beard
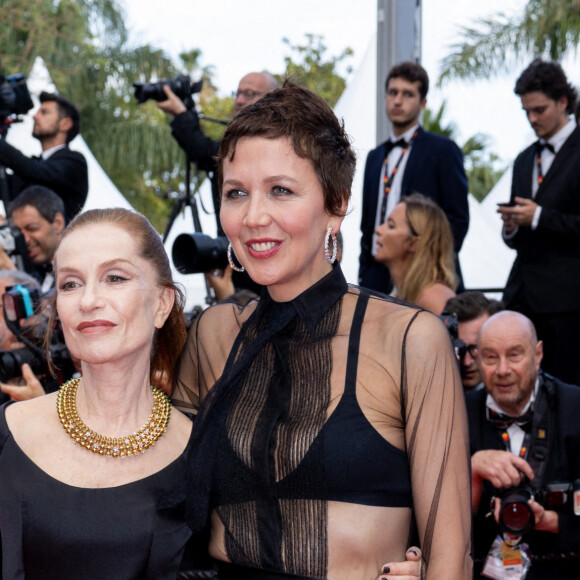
[[523, 431], [56, 124], [412, 160]]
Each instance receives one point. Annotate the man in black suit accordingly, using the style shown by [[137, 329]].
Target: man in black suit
[[56, 124], [543, 225], [523, 431], [425, 163]]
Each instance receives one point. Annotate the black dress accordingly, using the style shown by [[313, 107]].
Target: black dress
[[53, 530]]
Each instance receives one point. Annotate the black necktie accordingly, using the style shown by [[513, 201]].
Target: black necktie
[[390, 145], [503, 421]]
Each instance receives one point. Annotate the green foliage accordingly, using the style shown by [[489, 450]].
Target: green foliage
[[546, 28], [481, 165], [86, 47], [307, 66]]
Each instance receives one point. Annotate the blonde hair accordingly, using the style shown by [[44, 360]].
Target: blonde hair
[[433, 259]]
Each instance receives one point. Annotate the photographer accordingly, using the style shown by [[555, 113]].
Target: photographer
[[56, 123], [471, 309], [27, 386], [200, 149], [524, 435], [39, 214]]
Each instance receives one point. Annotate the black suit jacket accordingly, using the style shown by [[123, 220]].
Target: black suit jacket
[[546, 271], [563, 465], [65, 172], [435, 169]]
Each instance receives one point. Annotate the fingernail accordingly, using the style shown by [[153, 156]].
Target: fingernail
[[413, 552], [386, 569]]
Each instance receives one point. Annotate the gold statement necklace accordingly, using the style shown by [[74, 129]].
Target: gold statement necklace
[[126, 446]]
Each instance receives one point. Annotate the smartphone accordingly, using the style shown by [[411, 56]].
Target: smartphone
[[507, 204]]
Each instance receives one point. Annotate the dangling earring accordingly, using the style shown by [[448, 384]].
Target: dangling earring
[[329, 235], [239, 268]]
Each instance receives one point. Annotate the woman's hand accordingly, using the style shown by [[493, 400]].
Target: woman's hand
[[408, 570]]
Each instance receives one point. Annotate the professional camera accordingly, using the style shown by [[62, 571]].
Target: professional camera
[[14, 96], [20, 302], [197, 253], [516, 516], [180, 85], [450, 322], [12, 240]]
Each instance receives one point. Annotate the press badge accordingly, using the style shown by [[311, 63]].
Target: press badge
[[506, 561]]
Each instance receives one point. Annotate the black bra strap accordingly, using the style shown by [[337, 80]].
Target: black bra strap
[[354, 342]]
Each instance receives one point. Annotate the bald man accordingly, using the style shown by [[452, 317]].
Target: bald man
[[200, 149], [523, 432]]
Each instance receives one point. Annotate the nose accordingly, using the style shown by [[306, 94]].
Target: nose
[[91, 297], [256, 212], [503, 367], [379, 230]]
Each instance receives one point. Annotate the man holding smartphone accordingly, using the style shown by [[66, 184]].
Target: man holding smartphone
[[542, 219]]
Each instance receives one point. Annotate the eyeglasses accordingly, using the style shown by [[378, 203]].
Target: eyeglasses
[[247, 94], [471, 349]]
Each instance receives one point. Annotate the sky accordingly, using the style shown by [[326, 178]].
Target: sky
[[239, 36]]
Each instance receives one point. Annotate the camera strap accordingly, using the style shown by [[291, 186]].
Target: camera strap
[[542, 429]]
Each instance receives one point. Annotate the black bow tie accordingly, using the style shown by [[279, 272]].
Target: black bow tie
[[503, 421], [392, 144], [540, 145]]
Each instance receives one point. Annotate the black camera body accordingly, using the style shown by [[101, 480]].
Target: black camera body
[[180, 85], [450, 322], [516, 516], [15, 98], [20, 302]]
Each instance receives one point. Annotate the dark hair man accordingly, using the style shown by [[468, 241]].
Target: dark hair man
[[543, 225], [523, 432], [39, 214], [472, 309], [56, 124], [412, 160], [200, 149]]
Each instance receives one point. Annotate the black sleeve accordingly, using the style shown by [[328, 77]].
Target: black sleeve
[[201, 149]]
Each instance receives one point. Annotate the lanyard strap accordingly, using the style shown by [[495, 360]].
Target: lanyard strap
[[388, 179]]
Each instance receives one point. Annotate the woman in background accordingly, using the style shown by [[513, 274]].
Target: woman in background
[[416, 244], [328, 417]]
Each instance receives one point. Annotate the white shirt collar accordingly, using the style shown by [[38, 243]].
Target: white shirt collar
[[406, 135], [560, 137], [46, 154]]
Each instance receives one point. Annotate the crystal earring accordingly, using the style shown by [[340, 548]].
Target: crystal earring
[[231, 255], [329, 236]]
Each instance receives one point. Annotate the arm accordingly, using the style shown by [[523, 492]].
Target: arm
[[61, 172], [434, 298], [453, 188], [437, 446]]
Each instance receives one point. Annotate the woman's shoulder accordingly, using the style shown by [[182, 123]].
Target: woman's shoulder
[[30, 416], [434, 297], [220, 316]]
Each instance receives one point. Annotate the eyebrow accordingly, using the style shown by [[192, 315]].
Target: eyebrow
[[105, 265]]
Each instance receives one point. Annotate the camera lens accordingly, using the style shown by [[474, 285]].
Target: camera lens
[[516, 516]]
